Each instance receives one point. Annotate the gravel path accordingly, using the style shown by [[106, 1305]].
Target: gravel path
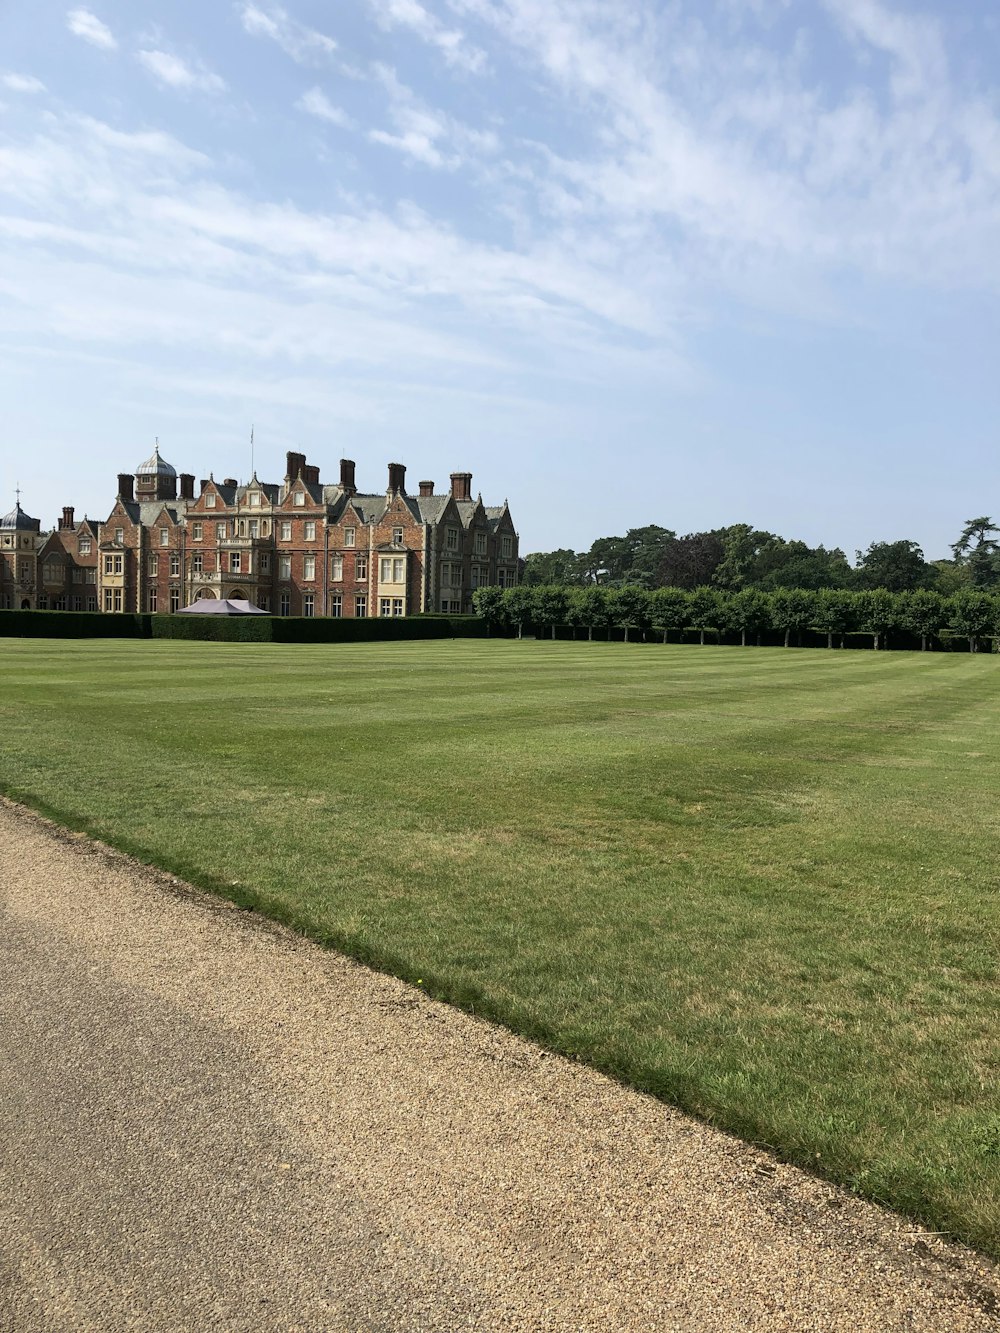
[[208, 1123]]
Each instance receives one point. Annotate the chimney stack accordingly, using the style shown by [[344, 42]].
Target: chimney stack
[[426, 489], [230, 481], [397, 478], [294, 464], [67, 519], [125, 483], [461, 485], [201, 485], [347, 475], [310, 474], [187, 486]]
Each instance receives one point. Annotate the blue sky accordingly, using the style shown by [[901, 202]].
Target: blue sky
[[627, 262]]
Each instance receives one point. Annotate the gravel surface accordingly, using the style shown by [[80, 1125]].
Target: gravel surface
[[209, 1123]]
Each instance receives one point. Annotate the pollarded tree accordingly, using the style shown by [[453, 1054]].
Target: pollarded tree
[[834, 613], [792, 610], [630, 608], [669, 609], [972, 613], [551, 605], [923, 612], [519, 607], [747, 612], [879, 611], [705, 611], [593, 608], [489, 606]]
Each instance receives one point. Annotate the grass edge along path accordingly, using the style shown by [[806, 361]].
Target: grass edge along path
[[573, 717]]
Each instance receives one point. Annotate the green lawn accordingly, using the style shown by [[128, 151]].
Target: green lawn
[[759, 883]]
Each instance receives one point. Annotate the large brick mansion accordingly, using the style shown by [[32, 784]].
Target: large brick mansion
[[300, 548]]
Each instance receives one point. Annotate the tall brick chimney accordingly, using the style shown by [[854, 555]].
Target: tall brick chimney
[[461, 485], [187, 486], [67, 519], [347, 475], [310, 474], [397, 478], [294, 464], [125, 484], [426, 488]]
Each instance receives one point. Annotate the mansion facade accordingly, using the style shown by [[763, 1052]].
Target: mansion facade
[[300, 548]]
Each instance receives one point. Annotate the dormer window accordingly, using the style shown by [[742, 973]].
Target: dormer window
[[210, 500], [299, 499], [120, 536], [164, 537], [255, 499], [85, 546], [397, 536], [349, 536], [452, 539]]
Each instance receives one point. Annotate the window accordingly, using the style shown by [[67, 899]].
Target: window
[[108, 602], [119, 536], [175, 599], [151, 599], [308, 604], [175, 566], [361, 566], [309, 567], [164, 537], [480, 543], [220, 532], [299, 499], [265, 562], [59, 603], [263, 601], [286, 604], [265, 527], [235, 562], [506, 547], [76, 603], [210, 500], [477, 577], [397, 536], [241, 528], [284, 567], [154, 566], [52, 571], [398, 571], [336, 605], [197, 563], [85, 546], [119, 564], [254, 527], [361, 606], [117, 595], [286, 532], [349, 536], [197, 529], [91, 603], [397, 606], [384, 570], [310, 533], [451, 539], [254, 498], [90, 576], [385, 606], [336, 568]]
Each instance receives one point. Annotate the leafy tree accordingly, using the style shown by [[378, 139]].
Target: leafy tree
[[552, 567], [834, 613], [949, 576], [971, 612], [977, 550], [668, 609], [551, 605], [747, 612], [630, 607], [519, 607], [878, 612], [923, 612], [899, 566], [741, 552], [705, 611], [489, 604], [690, 561], [796, 565], [792, 611]]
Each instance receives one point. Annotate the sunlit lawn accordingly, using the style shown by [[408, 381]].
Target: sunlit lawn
[[759, 883]]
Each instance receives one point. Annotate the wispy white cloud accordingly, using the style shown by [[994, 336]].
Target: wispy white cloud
[[22, 83], [452, 43], [172, 72], [88, 26], [305, 45], [316, 103], [426, 135]]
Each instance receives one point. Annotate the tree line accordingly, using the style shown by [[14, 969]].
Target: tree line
[[971, 613], [739, 556]]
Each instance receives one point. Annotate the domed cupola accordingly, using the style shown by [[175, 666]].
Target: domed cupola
[[155, 479], [18, 521]]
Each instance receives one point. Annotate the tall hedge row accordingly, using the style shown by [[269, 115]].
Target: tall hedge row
[[235, 629]]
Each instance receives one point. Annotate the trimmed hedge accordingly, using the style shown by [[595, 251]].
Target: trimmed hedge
[[73, 625], [315, 629]]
